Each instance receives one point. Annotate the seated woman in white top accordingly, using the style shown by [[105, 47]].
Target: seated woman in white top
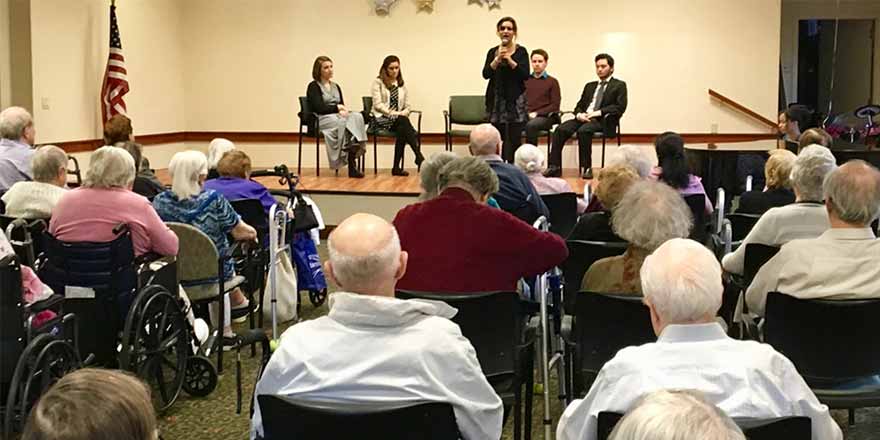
[[37, 198], [391, 112], [531, 160]]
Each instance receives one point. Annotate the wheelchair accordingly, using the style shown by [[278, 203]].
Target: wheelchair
[[129, 314]]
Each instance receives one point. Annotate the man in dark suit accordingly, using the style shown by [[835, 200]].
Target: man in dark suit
[[602, 103]]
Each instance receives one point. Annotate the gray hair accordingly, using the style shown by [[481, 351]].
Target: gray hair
[[675, 415], [430, 173], [484, 140], [470, 172], [649, 214], [185, 168], [109, 167], [13, 122], [633, 156], [135, 150], [682, 281], [530, 159], [808, 173], [216, 149], [367, 270], [853, 192], [46, 162]]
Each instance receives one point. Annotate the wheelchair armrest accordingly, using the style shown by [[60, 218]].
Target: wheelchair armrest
[[566, 328], [46, 304], [530, 331], [147, 258]]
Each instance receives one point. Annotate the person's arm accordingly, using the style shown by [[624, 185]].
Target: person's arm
[[580, 421], [491, 64], [521, 58], [618, 106], [316, 100], [243, 232], [532, 252], [804, 403], [584, 102], [163, 240], [378, 104]]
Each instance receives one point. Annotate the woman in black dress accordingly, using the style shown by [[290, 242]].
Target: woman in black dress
[[507, 69]]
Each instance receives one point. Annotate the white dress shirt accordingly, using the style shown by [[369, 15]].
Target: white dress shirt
[[743, 378], [377, 349], [779, 226], [592, 106], [839, 264]]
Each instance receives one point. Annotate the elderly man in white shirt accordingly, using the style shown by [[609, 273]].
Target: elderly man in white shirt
[[682, 287], [842, 262], [17, 135], [805, 218], [372, 347], [37, 198]]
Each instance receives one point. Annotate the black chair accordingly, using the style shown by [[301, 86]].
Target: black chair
[[582, 255], [252, 264], [756, 255], [495, 324], [697, 205], [377, 133], [830, 342], [603, 324], [74, 171], [26, 237], [308, 119], [610, 130], [286, 418], [789, 428], [563, 212], [742, 224]]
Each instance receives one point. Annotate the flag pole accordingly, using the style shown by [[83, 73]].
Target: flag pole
[[112, 2]]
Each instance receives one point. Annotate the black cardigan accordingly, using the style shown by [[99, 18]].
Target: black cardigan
[[316, 99], [513, 81]]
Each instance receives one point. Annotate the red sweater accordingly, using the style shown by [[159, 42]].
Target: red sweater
[[542, 94], [458, 245]]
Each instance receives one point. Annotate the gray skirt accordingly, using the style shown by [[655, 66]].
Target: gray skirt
[[343, 136]]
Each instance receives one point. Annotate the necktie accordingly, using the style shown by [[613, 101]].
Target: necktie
[[599, 94]]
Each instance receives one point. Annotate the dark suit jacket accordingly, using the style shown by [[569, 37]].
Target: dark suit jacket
[[613, 101], [758, 202], [516, 194]]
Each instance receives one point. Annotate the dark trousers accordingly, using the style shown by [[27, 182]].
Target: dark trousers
[[535, 126], [405, 134], [584, 132], [511, 138]]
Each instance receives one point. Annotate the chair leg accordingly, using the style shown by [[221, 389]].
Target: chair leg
[[603, 151], [517, 414], [375, 155], [852, 417], [317, 155], [299, 155], [530, 397]]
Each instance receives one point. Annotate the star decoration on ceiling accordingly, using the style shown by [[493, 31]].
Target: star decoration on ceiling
[[493, 3], [425, 5], [383, 7]]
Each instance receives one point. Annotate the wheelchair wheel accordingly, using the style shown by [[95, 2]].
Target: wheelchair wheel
[[318, 297], [201, 376], [156, 344]]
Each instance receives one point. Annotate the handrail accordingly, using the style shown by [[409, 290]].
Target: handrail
[[742, 108]]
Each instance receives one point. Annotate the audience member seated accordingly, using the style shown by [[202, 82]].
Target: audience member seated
[[205, 209], [530, 159], [118, 130], [235, 181], [675, 415], [793, 121], [430, 171], [777, 173], [649, 214], [91, 212], [673, 168], [515, 193], [372, 347], [17, 135], [456, 243], [630, 155], [806, 218], [37, 198], [93, 404], [842, 262], [32, 289], [681, 282], [815, 136], [612, 183], [145, 182], [216, 149]]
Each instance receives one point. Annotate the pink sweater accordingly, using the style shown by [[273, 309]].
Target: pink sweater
[[90, 214]]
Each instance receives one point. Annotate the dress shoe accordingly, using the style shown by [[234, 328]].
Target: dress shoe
[[553, 171], [587, 174], [399, 172]]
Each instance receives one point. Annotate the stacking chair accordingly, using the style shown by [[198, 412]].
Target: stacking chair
[[74, 171], [563, 212], [582, 255], [309, 120], [697, 205], [756, 255], [610, 130], [742, 224], [290, 418], [790, 428], [495, 324], [830, 342], [463, 110], [377, 133]]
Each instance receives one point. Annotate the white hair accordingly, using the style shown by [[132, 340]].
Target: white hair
[[185, 168], [367, 270], [46, 162], [633, 156], [649, 214], [853, 192], [429, 174], [484, 140], [813, 163], [675, 415], [530, 159], [682, 281], [13, 122], [216, 149], [110, 167]]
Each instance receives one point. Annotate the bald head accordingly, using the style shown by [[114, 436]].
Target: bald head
[[485, 139], [852, 193], [365, 255]]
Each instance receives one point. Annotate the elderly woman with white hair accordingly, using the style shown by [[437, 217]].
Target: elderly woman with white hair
[[216, 149], [531, 160], [37, 198], [649, 214], [91, 212], [805, 218], [676, 415]]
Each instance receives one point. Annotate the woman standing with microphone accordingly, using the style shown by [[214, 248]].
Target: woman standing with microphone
[[507, 69]]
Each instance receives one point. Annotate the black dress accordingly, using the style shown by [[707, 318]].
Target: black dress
[[506, 103]]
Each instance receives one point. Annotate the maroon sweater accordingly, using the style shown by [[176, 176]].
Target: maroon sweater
[[458, 245], [542, 94]]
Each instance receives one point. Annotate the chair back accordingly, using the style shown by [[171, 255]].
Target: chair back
[[467, 110], [697, 205], [496, 339], [755, 256], [25, 236], [12, 334], [742, 224], [252, 213], [582, 255], [825, 339], [289, 418], [197, 256], [791, 427], [563, 212], [368, 109], [307, 118]]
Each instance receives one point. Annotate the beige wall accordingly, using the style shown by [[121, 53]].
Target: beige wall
[[5, 86], [20, 78]]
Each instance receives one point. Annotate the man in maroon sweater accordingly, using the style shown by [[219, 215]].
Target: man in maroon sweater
[[542, 96], [457, 243]]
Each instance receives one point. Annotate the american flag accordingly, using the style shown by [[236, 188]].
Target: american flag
[[115, 81]]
